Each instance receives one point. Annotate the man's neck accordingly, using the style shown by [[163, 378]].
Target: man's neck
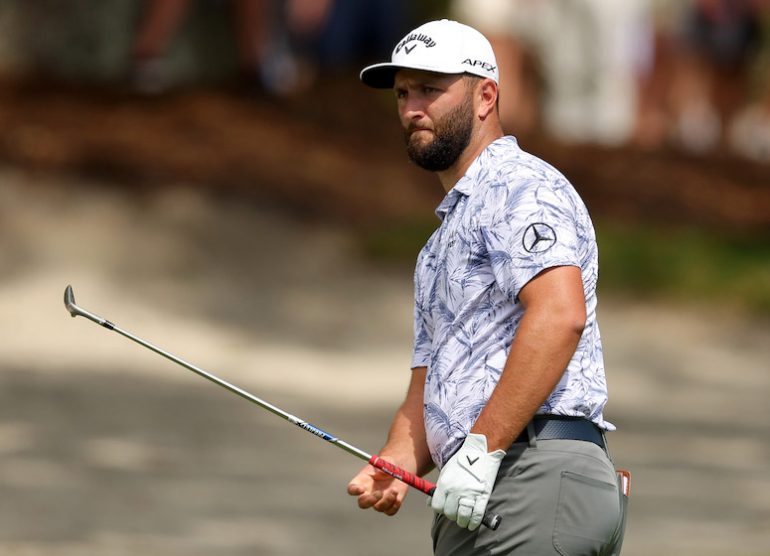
[[452, 175]]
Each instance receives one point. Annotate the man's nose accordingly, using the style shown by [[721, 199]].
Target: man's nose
[[413, 108]]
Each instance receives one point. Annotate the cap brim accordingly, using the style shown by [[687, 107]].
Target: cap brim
[[380, 76], [383, 76]]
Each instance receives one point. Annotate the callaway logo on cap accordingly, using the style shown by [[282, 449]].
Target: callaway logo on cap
[[442, 46]]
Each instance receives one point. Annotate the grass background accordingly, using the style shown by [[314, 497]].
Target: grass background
[[684, 264]]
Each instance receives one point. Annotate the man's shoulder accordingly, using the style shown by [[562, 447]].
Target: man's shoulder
[[509, 167], [516, 181], [516, 164]]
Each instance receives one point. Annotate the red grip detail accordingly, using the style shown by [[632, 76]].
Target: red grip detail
[[402, 475], [490, 521]]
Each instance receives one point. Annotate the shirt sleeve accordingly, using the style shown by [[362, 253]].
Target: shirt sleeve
[[423, 321], [422, 341], [527, 229]]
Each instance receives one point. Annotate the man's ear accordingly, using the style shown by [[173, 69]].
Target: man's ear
[[487, 95]]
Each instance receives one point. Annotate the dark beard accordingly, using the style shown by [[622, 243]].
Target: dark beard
[[451, 136]]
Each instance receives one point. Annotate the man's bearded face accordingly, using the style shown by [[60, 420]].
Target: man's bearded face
[[450, 135]]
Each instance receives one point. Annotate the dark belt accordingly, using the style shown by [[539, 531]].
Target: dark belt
[[552, 427]]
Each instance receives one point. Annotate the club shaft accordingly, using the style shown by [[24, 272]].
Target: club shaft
[[243, 393], [490, 521]]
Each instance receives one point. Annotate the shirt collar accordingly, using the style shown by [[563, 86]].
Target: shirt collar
[[465, 184]]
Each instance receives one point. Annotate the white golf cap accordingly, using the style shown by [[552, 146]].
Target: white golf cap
[[442, 46]]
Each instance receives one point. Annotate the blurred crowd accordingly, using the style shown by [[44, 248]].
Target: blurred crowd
[[281, 44], [692, 74]]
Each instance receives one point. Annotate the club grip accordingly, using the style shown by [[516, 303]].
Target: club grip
[[492, 522], [402, 475]]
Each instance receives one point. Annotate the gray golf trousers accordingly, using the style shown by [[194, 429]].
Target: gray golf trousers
[[554, 496]]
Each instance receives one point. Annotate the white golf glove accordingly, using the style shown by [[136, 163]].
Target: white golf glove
[[466, 481]]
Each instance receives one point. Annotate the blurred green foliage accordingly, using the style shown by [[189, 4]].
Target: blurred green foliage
[[689, 265]]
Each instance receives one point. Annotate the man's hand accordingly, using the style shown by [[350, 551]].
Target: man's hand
[[376, 489], [466, 481]]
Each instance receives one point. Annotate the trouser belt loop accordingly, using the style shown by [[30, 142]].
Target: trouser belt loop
[[532, 434]]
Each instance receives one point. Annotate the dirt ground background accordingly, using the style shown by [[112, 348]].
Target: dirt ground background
[[227, 233], [336, 153]]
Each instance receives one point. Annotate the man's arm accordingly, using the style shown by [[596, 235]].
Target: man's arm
[[549, 332], [406, 447], [545, 341]]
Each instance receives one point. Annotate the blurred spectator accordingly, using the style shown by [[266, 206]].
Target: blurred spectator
[[700, 79], [652, 122], [263, 28], [588, 52], [749, 132], [360, 30], [710, 81], [299, 25]]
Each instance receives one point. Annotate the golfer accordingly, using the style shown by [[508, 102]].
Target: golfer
[[507, 385]]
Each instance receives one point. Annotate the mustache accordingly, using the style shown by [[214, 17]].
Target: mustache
[[414, 127]]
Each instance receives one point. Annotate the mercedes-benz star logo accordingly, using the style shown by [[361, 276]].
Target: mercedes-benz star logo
[[538, 237]]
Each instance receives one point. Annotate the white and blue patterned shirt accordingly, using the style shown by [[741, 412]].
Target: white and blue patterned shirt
[[510, 217]]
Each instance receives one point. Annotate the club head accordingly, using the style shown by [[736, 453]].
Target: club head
[[75, 311], [69, 302]]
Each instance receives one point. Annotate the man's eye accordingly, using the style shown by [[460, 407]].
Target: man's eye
[[429, 90], [400, 93]]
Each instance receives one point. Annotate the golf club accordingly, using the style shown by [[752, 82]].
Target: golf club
[[490, 521]]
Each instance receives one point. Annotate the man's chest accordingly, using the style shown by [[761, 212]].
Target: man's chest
[[454, 268]]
